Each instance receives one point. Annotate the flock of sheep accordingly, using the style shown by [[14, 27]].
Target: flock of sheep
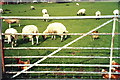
[[52, 28], [55, 27]]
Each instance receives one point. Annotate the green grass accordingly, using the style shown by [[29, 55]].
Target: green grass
[[73, 26]]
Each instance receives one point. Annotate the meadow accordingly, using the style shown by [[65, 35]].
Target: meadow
[[73, 26]]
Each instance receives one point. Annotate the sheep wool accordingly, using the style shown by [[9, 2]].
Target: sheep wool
[[77, 4], [45, 15], [30, 29], [11, 30], [98, 13], [44, 11], [32, 7], [1, 10], [116, 12], [56, 28], [81, 12]]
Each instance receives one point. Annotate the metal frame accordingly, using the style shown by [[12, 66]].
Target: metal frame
[[60, 17], [7, 57], [35, 48], [54, 52], [65, 46], [58, 34], [78, 65]]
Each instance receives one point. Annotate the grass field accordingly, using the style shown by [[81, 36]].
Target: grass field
[[73, 26]]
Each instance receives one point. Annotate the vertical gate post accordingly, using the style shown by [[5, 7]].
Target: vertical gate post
[[2, 69]]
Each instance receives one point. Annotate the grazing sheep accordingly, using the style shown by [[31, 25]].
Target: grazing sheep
[[44, 11], [116, 12], [113, 76], [30, 29], [1, 10], [11, 21], [95, 36], [81, 12], [32, 7], [11, 38], [98, 13], [55, 28], [77, 4], [45, 15]]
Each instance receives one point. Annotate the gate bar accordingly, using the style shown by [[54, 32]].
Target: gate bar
[[59, 17], [59, 57], [89, 48], [62, 72], [78, 65]]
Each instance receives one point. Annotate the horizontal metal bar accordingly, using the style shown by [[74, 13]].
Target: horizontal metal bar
[[78, 65], [13, 72], [29, 48], [58, 17], [58, 34], [59, 57]]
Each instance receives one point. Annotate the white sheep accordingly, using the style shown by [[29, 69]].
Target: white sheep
[[44, 11], [45, 15], [11, 38], [116, 12], [77, 4], [32, 7], [11, 21], [98, 13], [30, 29], [55, 28], [1, 10], [81, 12]]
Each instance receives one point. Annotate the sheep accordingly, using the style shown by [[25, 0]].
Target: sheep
[[45, 15], [81, 12], [95, 36], [77, 4], [116, 12], [44, 11], [1, 10], [11, 38], [30, 29], [55, 27], [98, 13], [11, 21], [32, 7]]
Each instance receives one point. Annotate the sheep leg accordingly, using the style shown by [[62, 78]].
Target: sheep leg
[[32, 41], [37, 39], [61, 38], [9, 39], [19, 25], [52, 37], [65, 36], [12, 44], [15, 43], [9, 25]]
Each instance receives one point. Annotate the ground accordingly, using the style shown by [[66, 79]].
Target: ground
[[73, 26]]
